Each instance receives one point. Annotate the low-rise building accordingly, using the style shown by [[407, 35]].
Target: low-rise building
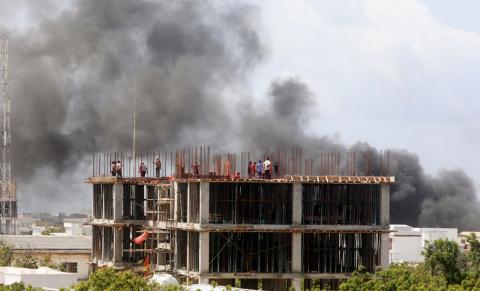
[[43, 277], [73, 252], [407, 243]]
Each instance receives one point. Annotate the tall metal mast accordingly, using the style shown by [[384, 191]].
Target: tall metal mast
[[8, 197]]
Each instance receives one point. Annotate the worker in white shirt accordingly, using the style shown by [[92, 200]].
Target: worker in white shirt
[[119, 169], [267, 168]]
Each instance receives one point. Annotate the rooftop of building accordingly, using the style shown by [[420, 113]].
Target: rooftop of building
[[46, 242], [331, 179]]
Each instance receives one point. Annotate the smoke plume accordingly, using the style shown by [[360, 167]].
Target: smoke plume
[[187, 62]]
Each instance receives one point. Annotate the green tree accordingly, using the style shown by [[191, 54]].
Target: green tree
[[26, 260], [110, 280], [6, 253], [443, 257], [396, 277], [18, 286], [473, 253]]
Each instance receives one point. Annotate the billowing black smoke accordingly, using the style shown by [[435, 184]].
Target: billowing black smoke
[[72, 87], [446, 200]]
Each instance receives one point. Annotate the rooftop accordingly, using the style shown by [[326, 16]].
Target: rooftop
[[223, 179], [46, 242]]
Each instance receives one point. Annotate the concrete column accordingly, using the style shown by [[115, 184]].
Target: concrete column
[[117, 201], [384, 250], [188, 250], [297, 203], [204, 202], [175, 259], [175, 201], [93, 204], [297, 284], [102, 230], [204, 255], [296, 252], [385, 205], [117, 246]]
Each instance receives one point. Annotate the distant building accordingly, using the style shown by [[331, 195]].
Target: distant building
[[407, 243], [25, 221], [73, 252], [77, 226], [462, 239], [37, 230]]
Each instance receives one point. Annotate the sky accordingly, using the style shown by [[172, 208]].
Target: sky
[[396, 74]]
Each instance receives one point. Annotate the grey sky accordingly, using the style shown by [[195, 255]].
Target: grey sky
[[398, 74]]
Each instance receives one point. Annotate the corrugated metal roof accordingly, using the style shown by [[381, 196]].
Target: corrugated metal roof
[[47, 242]]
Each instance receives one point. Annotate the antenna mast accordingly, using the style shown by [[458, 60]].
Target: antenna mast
[[8, 196]]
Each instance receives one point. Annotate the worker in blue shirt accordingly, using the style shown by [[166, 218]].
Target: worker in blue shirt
[[259, 168]]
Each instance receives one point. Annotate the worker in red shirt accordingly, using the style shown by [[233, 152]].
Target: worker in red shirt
[[142, 169], [196, 168], [237, 176], [158, 166]]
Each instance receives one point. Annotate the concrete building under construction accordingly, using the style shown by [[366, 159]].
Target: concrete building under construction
[[296, 229]]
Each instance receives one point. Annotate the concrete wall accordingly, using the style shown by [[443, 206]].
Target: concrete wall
[[37, 278], [81, 260], [408, 242], [406, 249]]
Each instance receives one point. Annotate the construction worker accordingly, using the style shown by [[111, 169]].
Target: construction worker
[[259, 169], [266, 168], [237, 176], [158, 166], [196, 168], [142, 169], [228, 168], [114, 168], [254, 169], [249, 169], [275, 169], [119, 169]]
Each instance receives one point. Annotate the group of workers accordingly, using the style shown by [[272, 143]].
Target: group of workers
[[143, 169], [255, 169], [262, 170], [116, 168]]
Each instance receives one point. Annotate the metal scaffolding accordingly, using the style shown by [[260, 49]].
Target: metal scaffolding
[[8, 196]]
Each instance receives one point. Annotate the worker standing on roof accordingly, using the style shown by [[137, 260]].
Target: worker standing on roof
[[249, 169], [237, 176], [275, 169], [228, 168], [114, 168], [259, 168], [266, 168], [118, 166], [196, 168], [142, 169], [254, 169], [158, 166]]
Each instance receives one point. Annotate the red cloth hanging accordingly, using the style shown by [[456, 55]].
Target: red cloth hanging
[[141, 238]]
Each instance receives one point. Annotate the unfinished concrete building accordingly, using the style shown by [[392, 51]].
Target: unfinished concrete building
[[292, 230]]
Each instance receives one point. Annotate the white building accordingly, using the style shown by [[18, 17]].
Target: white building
[[77, 226], [73, 252], [42, 277], [407, 243]]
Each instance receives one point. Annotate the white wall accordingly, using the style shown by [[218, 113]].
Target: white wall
[[406, 249], [57, 258], [37, 278], [408, 242]]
